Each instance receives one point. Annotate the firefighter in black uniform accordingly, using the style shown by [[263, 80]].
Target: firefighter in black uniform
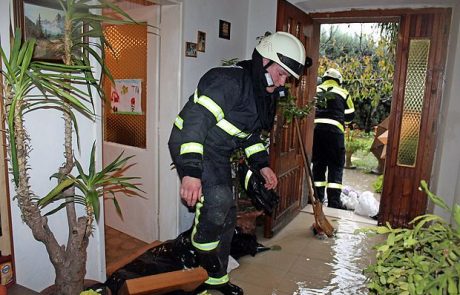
[[334, 109], [229, 109]]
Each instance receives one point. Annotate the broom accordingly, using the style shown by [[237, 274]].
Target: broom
[[321, 223]]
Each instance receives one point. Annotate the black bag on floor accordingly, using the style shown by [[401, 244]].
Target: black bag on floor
[[170, 256]]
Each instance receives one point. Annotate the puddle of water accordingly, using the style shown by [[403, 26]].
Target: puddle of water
[[350, 256]]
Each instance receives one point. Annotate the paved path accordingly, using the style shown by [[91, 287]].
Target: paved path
[[360, 180]]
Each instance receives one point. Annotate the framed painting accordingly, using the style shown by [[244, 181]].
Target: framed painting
[[224, 29], [201, 43], [42, 20], [190, 49]]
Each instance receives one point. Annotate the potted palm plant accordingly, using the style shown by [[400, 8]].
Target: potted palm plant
[[68, 87]]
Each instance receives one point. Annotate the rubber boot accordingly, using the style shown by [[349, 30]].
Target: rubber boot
[[226, 289]]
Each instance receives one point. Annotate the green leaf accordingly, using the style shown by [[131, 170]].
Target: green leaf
[[56, 191]]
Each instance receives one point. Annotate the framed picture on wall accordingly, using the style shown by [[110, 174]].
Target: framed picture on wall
[[190, 49], [224, 29], [201, 43], [42, 20]]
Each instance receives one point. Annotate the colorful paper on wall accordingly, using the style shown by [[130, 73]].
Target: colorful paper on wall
[[125, 98]]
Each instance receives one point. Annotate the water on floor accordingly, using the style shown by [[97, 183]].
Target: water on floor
[[306, 265]]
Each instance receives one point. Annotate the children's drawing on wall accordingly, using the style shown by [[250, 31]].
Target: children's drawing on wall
[[125, 98]]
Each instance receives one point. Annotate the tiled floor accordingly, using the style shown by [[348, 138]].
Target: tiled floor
[[306, 265], [303, 265]]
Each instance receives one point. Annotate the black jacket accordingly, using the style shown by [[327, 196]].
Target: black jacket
[[334, 104], [221, 116]]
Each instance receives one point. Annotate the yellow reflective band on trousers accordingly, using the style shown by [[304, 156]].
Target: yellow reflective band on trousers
[[253, 149], [246, 179], [179, 122], [191, 147], [329, 121], [210, 105], [231, 129], [320, 183], [335, 185], [217, 281], [205, 246]]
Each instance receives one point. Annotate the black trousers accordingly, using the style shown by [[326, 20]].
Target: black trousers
[[215, 220], [328, 155]]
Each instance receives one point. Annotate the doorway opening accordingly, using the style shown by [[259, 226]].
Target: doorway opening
[[365, 55]]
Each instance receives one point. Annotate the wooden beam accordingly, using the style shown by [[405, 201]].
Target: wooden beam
[[186, 280]]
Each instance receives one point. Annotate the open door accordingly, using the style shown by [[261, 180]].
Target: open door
[[419, 73], [285, 154], [417, 92]]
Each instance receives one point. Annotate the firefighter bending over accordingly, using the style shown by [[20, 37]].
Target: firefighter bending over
[[228, 110]]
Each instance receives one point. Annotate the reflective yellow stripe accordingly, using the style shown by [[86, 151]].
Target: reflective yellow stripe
[[330, 121], [343, 93], [258, 147], [217, 281], [191, 147], [210, 105], [179, 122], [246, 179], [205, 246], [320, 183], [349, 111], [335, 185], [231, 129]]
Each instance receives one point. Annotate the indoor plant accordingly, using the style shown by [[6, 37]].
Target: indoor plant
[[424, 259], [30, 85]]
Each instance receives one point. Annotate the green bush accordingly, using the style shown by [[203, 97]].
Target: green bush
[[378, 184], [422, 260]]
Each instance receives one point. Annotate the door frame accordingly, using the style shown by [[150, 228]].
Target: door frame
[[396, 15]]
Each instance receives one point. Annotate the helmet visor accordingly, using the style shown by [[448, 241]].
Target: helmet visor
[[292, 64]]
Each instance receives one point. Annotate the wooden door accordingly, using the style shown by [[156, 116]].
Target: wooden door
[[415, 108], [285, 157]]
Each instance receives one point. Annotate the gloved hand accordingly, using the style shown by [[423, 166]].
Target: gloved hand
[[253, 183]]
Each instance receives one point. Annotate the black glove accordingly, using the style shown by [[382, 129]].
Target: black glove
[[253, 183]]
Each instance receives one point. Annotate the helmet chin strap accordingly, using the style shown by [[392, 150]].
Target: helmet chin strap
[[268, 77]]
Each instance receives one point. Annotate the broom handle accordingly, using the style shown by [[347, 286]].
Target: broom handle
[[306, 163]]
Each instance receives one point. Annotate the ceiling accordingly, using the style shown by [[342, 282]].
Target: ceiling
[[341, 5]]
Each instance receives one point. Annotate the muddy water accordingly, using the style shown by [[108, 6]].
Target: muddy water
[[351, 254]]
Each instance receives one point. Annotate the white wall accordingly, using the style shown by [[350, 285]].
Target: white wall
[[261, 18], [204, 15], [171, 53], [446, 172], [33, 268]]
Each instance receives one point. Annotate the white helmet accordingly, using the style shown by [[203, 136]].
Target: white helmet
[[284, 49], [334, 74]]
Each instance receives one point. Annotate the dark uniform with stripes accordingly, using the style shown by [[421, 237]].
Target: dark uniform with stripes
[[228, 110], [328, 140]]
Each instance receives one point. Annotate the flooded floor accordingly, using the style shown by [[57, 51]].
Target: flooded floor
[[306, 265]]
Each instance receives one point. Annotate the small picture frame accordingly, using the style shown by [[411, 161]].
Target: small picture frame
[[201, 41], [190, 49], [224, 29]]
